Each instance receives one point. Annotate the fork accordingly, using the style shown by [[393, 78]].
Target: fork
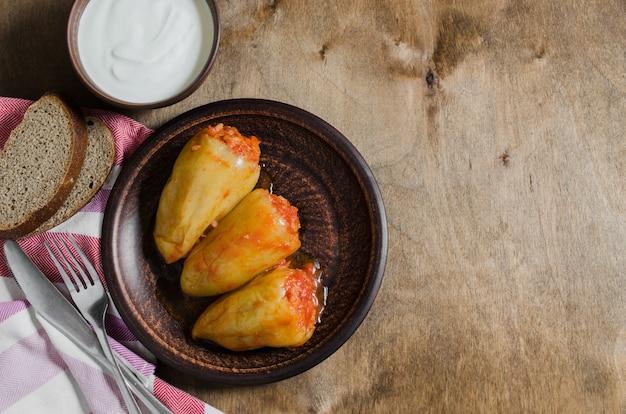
[[89, 296]]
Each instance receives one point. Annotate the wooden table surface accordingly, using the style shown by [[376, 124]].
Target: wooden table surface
[[496, 131]]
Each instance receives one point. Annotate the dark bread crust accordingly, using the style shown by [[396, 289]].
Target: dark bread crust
[[78, 149]]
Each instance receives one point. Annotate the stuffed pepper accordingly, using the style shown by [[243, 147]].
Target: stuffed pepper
[[212, 173], [279, 308], [260, 232]]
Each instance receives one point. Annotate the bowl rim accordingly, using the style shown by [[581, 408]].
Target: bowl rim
[[71, 42], [375, 208]]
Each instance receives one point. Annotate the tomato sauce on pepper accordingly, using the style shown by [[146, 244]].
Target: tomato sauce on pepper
[[246, 147], [301, 290], [288, 212]]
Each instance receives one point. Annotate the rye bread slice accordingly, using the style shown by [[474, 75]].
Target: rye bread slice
[[40, 164], [99, 160]]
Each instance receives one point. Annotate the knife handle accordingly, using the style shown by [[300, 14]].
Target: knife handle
[[139, 389]]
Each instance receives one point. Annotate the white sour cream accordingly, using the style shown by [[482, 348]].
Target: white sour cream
[[144, 51]]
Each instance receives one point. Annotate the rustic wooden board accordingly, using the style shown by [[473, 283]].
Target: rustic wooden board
[[496, 132]]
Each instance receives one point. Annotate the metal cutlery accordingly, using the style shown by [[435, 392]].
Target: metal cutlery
[[92, 301], [53, 307]]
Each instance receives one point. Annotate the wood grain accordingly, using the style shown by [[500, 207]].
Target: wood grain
[[495, 129]]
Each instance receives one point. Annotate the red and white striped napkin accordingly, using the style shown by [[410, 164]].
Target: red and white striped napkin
[[40, 369]]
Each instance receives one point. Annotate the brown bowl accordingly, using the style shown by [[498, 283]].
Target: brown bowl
[[343, 227], [190, 86]]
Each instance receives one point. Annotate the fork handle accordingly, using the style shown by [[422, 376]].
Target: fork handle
[[130, 402], [152, 403]]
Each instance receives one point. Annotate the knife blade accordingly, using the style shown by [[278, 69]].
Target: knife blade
[[50, 304]]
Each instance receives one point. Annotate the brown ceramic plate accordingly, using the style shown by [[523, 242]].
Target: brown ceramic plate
[[343, 225]]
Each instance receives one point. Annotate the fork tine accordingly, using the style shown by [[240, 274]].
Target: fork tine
[[86, 262], [71, 256], [70, 282]]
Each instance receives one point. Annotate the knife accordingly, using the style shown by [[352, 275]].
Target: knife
[[53, 307]]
